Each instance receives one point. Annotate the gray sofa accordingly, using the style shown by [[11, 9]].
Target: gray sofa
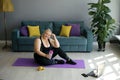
[[82, 43]]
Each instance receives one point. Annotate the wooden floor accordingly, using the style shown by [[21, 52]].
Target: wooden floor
[[111, 57]]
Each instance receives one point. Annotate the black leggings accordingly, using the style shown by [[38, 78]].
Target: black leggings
[[45, 61]]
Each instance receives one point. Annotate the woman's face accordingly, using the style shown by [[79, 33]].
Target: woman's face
[[47, 34]]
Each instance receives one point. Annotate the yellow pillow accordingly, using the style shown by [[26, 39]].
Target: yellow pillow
[[34, 31], [65, 31]]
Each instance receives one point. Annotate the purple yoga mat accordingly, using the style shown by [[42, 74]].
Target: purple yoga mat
[[29, 62]]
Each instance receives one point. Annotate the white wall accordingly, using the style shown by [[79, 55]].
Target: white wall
[[115, 12]]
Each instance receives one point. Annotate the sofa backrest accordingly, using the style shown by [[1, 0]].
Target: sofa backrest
[[43, 24], [55, 26]]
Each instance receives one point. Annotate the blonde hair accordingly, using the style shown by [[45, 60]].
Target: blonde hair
[[49, 30]]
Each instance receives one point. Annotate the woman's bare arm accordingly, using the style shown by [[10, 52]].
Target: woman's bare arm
[[37, 46], [55, 43]]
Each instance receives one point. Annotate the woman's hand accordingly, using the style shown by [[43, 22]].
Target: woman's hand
[[53, 36], [48, 56]]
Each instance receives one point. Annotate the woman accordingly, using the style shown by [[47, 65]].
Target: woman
[[44, 44]]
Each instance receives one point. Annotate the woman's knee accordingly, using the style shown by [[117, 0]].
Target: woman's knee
[[57, 49], [48, 62]]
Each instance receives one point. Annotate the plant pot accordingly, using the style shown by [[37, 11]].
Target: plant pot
[[101, 46]]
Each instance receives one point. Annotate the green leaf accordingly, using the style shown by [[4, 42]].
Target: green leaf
[[108, 17], [92, 13], [93, 5], [106, 9], [111, 21], [106, 1]]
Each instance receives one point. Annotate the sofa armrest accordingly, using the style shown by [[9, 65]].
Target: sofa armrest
[[15, 35], [88, 34]]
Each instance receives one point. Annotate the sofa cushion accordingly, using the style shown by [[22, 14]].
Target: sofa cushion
[[75, 30], [33, 31], [43, 27], [26, 40], [57, 27], [24, 31], [65, 31], [72, 40]]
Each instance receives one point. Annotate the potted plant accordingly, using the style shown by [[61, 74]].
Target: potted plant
[[102, 24]]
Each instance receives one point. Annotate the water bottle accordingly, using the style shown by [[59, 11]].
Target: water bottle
[[51, 53]]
